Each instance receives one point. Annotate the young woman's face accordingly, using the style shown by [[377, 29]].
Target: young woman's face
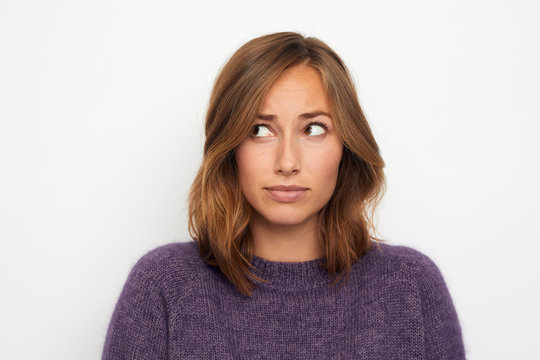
[[288, 165]]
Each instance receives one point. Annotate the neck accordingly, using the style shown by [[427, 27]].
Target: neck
[[285, 243]]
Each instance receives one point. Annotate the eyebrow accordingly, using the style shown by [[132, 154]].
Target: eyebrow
[[305, 116]]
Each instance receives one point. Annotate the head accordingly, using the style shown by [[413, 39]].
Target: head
[[331, 154], [288, 165]]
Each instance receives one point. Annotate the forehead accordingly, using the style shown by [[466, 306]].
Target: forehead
[[298, 88]]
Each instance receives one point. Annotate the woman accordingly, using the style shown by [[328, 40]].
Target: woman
[[284, 264]]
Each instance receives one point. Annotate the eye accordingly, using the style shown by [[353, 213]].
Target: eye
[[260, 130], [315, 129]]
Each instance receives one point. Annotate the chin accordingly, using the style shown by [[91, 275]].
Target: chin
[[285, 219]]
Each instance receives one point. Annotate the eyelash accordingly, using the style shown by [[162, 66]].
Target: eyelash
[[318, 123]]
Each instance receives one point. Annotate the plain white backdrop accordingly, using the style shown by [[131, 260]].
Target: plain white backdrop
[[101, 115]]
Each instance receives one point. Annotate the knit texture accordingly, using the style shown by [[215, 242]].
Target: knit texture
[[395, 305]]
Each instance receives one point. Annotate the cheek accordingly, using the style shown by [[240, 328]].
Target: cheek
[[242, 164], [249, 164], [325, 167], [326, 162]]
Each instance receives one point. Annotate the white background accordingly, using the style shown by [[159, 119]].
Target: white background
[[101, 112]]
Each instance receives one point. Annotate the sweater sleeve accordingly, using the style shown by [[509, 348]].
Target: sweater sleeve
[[138, 328], [442, 331]]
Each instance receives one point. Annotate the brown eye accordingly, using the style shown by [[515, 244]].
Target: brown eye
[[260, 131], [315, 129]]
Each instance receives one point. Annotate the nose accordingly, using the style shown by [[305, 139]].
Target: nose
[[288, 157]]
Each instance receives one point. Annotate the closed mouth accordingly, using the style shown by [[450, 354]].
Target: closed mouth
[[286, 188], [287, 193]]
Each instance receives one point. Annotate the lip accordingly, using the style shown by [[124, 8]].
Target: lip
[[286, 188], [287, 193]]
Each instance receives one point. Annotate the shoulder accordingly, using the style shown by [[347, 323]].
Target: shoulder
[[179, 253], [399, 254], [442, 331], [158, 280], [406, 263], [178, 262], [408, 269]]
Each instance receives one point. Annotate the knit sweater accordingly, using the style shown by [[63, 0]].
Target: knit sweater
[[395, 305]]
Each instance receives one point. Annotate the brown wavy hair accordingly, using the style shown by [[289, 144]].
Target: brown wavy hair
[[219, 215]]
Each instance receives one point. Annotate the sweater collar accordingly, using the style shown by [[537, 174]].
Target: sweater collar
[[289, 276]]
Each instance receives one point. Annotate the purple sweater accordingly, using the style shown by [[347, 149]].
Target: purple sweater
[[395, 305]]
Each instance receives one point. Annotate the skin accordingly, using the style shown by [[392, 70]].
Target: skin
[[284, 149]]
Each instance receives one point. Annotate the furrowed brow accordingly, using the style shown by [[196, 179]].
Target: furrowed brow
[[305, 116], [267, 117], [313, 114]]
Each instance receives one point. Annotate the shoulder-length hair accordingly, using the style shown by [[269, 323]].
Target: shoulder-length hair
[[219, 215]]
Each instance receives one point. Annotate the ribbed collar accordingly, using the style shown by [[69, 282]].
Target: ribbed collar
[[290, 276]]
